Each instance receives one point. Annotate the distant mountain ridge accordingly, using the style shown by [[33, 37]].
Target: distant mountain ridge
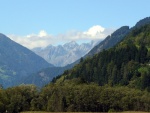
[[44, 76], [142, 22], [116, 37], [63, 55], [49, 73], [17, 61], [107, 43], [125, 64], [110, 41]]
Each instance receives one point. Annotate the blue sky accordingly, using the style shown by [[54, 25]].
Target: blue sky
[[55, 17]]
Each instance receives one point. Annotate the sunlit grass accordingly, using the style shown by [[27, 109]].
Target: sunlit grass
[[134, 112], [56, 112], [36, 112], [84, 112]]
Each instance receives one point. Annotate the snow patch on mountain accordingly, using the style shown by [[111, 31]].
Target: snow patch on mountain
[[63, 55]]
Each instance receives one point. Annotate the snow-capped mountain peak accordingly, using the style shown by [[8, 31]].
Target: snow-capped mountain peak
[[70, 45], [62, 55]]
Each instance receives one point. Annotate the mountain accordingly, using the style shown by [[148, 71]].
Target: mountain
[[126, 64], [44, 76], [17, 61], [49, 73], [107, 43], [117, 79], [57, 54], [110, 41], [113, 80], [142, 22], [116, 37]]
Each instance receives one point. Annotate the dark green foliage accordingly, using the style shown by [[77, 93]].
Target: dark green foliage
[[107, 43], [119, 65], [117, 79], [16, 99], [75, 96], [51, 72], [110, 41]]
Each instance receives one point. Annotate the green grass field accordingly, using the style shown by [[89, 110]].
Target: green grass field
[[83, 112]]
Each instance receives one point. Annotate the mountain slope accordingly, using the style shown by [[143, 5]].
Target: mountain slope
[[116, 37], [57, 54], [142, 22], [49, 72], [44, 76], [125, 64], [106, 82], [109, 42], [17, 61]]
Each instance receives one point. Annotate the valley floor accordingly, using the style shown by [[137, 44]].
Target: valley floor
[[84, 112]]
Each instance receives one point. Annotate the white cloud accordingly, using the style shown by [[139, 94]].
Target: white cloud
[[43, 39], [93, 31], [42, 33]]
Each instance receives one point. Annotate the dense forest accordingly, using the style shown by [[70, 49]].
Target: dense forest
[[117, 79], [73, 95], [126, 64]]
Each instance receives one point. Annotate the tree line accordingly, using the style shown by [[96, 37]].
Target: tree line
[[126, 64], [117, 79], [73, 95]]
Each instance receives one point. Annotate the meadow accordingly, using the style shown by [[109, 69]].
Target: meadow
[[84, 112]]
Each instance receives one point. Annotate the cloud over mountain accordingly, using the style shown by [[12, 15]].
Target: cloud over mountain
[[43, 39], [93, 31]]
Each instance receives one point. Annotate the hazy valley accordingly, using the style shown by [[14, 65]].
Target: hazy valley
[[104, 76]]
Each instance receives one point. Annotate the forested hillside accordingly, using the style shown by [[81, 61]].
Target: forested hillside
[[110, 40], [45, 75], [117, 79], [117, 36], [126, 64]]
